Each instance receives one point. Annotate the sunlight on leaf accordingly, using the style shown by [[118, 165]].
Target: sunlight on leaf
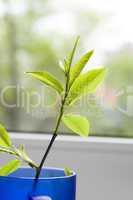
[[10, 167], [85, 84], [77, 123], [4, 137], [79, 66], [48, 79]]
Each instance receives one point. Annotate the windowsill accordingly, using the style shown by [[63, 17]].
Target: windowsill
[[97, 143], [104, 165]]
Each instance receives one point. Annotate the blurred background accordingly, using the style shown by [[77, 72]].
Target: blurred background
[[35, 35]]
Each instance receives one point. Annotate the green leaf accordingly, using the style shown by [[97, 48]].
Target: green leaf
[[10, 167], [68, 172], [85, 84], [61, 65], [4, 137], [69, 59], [78, 124], [79, 66], [48, 79]]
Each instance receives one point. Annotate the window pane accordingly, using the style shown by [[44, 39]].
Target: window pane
[[34, 35]]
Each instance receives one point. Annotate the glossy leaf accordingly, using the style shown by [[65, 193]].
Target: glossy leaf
[[69, 59], [78, 124], [68, 172], [4, 137], [47, 79], [10, 167], [84, 84], [79, 66]]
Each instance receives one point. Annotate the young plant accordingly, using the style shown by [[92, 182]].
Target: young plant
[[77, 84], [6, 146]]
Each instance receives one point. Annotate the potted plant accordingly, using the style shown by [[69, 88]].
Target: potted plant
[[38, 183]]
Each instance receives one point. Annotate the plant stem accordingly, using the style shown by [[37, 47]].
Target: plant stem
[[51, 141], [23, 157], [45, 155], [38, 171]]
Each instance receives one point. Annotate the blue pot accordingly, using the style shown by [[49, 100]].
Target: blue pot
[[52, 185]]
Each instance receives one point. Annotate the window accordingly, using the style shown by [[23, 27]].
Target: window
[[34, 35]]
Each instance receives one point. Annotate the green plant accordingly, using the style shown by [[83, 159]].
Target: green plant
[[76, 85], [6, 146]]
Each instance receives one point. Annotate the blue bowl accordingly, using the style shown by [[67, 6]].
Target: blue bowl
[[52, 185]]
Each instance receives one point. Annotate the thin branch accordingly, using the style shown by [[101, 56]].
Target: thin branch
[[60, 113]]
